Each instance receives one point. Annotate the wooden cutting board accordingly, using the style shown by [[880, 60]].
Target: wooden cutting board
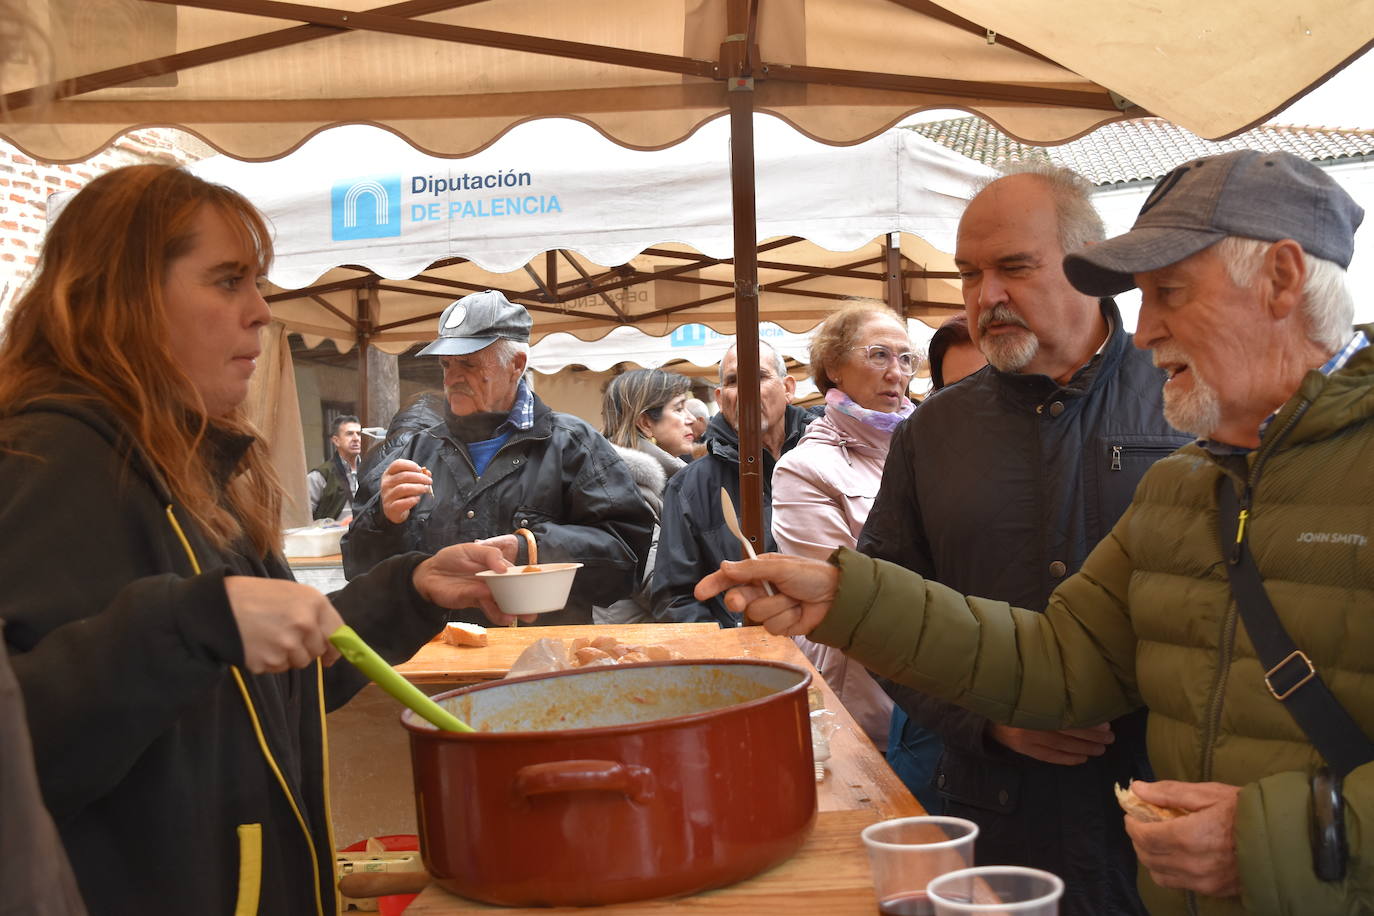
[[829, 876], [440, 663]]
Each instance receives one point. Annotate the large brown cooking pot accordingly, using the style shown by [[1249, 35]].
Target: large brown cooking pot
[[615, 783]]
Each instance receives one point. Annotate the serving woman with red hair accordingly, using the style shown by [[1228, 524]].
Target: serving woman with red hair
[[174, 676]]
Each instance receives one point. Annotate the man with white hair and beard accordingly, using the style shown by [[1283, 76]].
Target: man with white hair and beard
[[1000, 486], [500, 460], [1233, 599]]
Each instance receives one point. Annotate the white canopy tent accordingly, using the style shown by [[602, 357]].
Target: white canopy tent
[[375, 237], [693, 343], [255, 77]]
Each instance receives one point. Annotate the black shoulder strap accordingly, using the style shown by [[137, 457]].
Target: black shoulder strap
[[1289, 673]]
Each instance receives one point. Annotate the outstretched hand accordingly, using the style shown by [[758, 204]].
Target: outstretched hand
[[1196, 852], [449, 578], [805, 589]]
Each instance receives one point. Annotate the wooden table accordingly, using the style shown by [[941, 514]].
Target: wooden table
[[439, 664], [828, 877], [332, 559]]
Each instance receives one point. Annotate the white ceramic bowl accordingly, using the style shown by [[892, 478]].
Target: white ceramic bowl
[[540, 592]]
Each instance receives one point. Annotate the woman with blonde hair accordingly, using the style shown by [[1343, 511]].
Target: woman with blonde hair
[[861, 360], [648, 422], [174, 676]]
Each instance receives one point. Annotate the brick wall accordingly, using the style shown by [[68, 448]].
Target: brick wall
[[26, 184]]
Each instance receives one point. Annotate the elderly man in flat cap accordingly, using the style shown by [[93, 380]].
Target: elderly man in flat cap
[[1234, 599], [502, 460]]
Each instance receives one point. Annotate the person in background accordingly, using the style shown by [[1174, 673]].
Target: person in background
[[693, 538], [423, 411], [333, 484], [502, 460], [912, 751], [861, 360], [1241, 262], [701, 417], [174, 677], [648, 423], [1000, 486], [952, 353]]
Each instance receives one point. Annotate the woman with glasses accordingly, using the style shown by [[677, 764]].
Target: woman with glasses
[[861, 360]]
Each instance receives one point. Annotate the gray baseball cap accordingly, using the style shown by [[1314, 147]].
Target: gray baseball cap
[[477, 321], [1265, 196]]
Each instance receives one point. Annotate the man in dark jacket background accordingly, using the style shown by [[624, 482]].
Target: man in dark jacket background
[[502, 460], [1000, 486], [693, 539]]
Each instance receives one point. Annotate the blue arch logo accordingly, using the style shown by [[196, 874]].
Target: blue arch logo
[[689, 335], [368, 208]]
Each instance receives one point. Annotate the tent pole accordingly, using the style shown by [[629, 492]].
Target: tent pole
[[892, 250], [364, 326], [737, 53]]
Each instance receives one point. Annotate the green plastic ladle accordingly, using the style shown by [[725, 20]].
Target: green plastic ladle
[[352, 647]]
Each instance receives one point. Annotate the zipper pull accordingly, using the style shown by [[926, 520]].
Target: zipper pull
[[1116, 457], [1241, 519]]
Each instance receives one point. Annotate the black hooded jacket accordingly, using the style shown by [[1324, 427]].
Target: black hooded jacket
[[560, 479], [180, 782], [999, 486], [693, 539]]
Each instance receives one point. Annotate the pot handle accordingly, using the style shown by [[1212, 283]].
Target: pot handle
[[635, 781]]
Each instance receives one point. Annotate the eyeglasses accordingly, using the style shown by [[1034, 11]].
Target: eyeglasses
[[880, 357]]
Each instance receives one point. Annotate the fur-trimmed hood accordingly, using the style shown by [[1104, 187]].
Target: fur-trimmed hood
[[650, 472]]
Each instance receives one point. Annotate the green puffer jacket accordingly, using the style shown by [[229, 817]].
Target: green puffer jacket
[[1149, 620]]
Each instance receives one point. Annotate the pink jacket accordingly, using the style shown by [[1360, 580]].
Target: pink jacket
[[822, 492]]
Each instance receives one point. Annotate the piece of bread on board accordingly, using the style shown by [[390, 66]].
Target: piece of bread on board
[[1142, 810], [465, 634], [588, 654]]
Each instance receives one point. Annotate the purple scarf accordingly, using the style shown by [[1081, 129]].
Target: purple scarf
[[883, 422]]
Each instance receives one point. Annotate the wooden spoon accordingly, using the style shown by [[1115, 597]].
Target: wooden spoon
[[532, 551], [727, 507]]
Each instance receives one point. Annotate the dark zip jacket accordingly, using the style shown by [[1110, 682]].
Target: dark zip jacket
[[999, 486], [693, 539], [560, 478], [180, 782]]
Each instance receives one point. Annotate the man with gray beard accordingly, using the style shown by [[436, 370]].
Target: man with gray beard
[[1000, 486], [1259, 694]]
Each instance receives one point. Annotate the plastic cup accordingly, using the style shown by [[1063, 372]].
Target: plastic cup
[[909, 852], [997, 890]]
